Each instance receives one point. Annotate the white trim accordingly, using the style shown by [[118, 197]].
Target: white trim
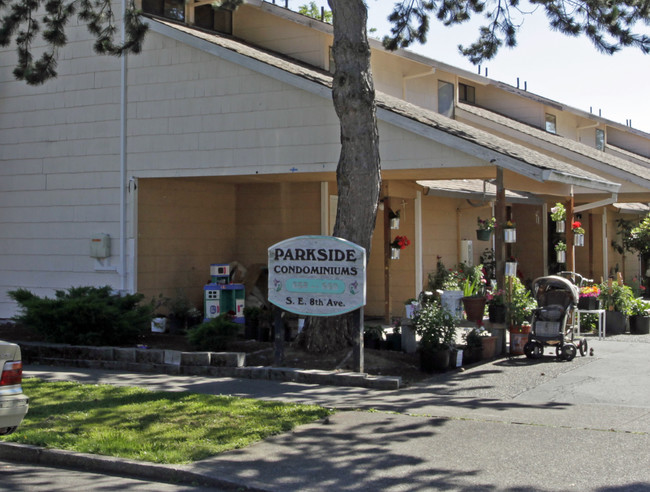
[[419, 265]]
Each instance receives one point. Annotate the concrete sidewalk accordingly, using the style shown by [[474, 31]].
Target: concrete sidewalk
[[510, 424]]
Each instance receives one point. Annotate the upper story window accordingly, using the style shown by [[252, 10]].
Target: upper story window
[[466, 93], [551, 123], [600, 139], [446, 98], [171, 9], [205, 15], [213, 18]]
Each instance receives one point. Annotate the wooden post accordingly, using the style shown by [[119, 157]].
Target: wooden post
[[499, 242], [570, 250], [387, 260]]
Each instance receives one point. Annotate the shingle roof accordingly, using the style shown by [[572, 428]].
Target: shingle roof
[[396, 106], [474, 188], [634, 170]]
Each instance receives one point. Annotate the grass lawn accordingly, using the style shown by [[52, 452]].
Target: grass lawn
[[154, 426]]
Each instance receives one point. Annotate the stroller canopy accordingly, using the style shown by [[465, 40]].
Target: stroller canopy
[[555, 290]]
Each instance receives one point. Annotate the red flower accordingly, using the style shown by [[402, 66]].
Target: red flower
[[576, 224], [400, 242]]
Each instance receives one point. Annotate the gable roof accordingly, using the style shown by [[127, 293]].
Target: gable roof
[[426, 123]]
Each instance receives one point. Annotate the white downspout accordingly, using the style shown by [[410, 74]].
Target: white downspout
[[123, 183]]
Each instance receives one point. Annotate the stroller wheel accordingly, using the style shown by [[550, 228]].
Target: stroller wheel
[[583, 347], [534, 350], [568, 351]]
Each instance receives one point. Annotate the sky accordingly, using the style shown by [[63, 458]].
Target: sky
[[565, 69]]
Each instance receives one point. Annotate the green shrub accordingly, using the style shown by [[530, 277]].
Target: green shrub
[[213, 335], [84, 315]]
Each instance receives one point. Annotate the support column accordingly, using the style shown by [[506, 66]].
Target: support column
[[499, 243], [387, 260], [570, 249]]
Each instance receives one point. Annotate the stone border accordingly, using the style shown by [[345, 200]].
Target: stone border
[[174, 362]]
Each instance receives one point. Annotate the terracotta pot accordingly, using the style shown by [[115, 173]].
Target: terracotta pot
[[474, 308], [489, 347]]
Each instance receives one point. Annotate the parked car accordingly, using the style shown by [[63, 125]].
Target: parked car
[[13, 403]]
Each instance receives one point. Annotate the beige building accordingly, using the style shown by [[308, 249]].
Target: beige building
[[220, 139]]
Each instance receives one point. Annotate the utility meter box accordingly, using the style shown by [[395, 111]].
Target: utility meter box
[[100, 246]]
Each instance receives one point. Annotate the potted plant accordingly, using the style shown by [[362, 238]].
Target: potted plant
[[560, 252], [511, 267], [182, 314], [394, 339], [617, 299], [446, 283], [558, 215], [373, 336], [410, 307], [393, 218], [640, 317], [509, 232], [485, 228], [578, 233], [496, 302], [398, 244], [473, 297], [481, 345], [588, 297], [160, 310], [520, 309], [436, 328]]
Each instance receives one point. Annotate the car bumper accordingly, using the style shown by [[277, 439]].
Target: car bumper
[[12, 411]]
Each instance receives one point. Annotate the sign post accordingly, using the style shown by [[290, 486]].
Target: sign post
[[319, 276]]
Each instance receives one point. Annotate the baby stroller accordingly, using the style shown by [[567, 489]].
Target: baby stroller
[[553, 320]]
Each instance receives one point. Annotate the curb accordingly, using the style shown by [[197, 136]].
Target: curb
[[217, 364], [174, 474]]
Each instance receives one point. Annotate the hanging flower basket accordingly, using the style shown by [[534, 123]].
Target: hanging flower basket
[[578, 233], [510, 235], [398, 244], [560, 226], [511, 268], [483, 234], [393, 219]]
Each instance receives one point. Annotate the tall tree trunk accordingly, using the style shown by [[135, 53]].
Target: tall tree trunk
[[358, 172]]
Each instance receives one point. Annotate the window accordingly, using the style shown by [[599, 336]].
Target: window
[[446, 99], [466, 93], [214, 19], [600, 139], [171, 9], [551, 125]]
